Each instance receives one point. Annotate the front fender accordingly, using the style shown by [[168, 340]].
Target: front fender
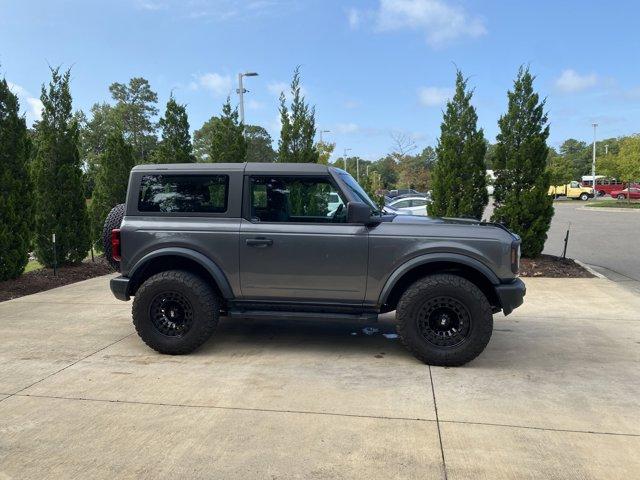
[[431, 258], [214, 270]]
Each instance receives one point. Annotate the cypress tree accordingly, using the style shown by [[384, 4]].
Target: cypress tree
[[114, 166], [298, 127], [522, 181], [459, 186], [221, 139], [175, 146], [60, 206], [16, 213]]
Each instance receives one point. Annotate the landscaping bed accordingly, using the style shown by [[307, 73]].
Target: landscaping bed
[[552, 267], [614, 204], [43, 278]]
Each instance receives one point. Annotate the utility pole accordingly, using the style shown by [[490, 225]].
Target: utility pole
[[593, 163], [241, 91], [323, 131]]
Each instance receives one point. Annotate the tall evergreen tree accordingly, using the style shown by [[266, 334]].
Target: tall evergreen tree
[[520, 161], [135, 108], [298, 127], [459, 176], [221, 139], [60, 206], [259, 144], [114, 166], [175, 146], [16, 213]]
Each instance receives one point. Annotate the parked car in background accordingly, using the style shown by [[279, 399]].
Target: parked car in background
[[412, 204], [571, 190], [387, 210], [633, 193], [403, 191], [604, 185]]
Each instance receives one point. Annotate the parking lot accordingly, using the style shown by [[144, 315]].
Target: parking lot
[[605, 238], [555, 395]]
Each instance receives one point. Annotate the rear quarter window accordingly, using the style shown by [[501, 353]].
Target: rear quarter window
[[183, 193]]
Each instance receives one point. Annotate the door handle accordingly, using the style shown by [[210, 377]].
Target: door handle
[[259, 242]]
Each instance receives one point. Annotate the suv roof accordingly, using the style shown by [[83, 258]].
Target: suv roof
[[248, 167]]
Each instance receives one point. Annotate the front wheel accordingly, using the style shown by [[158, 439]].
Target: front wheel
[[584, 197], [620, 196], [444, 320], [175, 312]]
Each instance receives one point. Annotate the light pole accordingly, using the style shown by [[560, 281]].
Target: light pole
[[593, 163], [241, 91], [345, 158], [323, 131]]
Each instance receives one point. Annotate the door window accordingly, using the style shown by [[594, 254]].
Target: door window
[[402, 204], [296, 200]]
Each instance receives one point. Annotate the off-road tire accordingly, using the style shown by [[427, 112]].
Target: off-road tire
[[113, 220], [203, 301], [462, 291]]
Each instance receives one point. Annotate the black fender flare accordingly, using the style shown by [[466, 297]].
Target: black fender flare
[[465, 260], [209, 265]]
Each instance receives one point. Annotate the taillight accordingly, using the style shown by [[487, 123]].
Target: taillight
[[115, 244], [515, 257]]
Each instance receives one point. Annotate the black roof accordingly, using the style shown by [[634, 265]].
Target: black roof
[[248, 167]]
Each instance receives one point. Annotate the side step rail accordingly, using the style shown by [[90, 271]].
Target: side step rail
[[312, 316]]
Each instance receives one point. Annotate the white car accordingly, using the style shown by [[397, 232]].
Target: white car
[[414, 205]]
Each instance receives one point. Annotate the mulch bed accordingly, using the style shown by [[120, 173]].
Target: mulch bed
[[43, 279], [552, 267]]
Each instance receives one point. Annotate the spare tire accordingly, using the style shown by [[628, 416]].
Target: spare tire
[[113, 220]]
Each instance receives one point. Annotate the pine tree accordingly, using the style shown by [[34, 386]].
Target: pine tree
[[298, 127], [175, 146], [522, 181], [221, 139], [16, 212], [459, 176], [259, 145], [60, 206], [114, 166]]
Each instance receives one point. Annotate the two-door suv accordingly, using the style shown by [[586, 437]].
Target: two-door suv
[[302, 241]]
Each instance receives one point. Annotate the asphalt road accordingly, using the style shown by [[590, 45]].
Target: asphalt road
[[599, 237]]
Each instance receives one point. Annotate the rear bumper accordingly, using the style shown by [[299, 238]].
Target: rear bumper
[[511, 295], [120, 288]]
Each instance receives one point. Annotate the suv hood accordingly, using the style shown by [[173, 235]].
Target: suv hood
[[424, 220]]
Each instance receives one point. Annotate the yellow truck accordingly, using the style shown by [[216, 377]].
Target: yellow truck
[[571, 190]]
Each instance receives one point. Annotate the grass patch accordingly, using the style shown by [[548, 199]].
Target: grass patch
[[32, 265], [614, 204]]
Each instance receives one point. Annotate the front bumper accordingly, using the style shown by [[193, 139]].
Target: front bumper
[[120, 288], [511, 295]]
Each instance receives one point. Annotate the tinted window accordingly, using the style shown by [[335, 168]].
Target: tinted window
[[402, 204], [418, 203], [295, 199], [183, 193]]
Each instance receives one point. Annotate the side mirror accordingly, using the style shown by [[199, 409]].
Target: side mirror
[[358, 212]]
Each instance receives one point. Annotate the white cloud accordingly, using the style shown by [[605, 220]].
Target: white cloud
[[219, 84], [571, 81], [346, 128], [277, 87], [34, 113], [434, 96], [440, 21], [353, 17]]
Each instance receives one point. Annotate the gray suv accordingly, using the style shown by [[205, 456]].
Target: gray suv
[[302, 241]]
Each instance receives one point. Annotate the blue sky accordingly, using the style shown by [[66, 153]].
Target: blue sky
[[371, 67]]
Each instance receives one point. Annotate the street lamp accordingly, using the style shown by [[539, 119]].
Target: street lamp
[[593, 163], [323, 131], [241, 91], [345, 158]]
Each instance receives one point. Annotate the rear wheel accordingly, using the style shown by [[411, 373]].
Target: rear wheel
[[175, 312], [620, 196], [444, 320]]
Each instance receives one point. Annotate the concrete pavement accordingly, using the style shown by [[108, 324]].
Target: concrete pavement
[[555, 395]]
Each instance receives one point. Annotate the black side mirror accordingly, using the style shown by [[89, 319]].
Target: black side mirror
[[358, 212]]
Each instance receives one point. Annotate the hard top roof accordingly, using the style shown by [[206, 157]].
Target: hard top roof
[[247, 167]]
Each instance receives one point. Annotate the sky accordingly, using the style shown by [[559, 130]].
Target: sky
[[373, 69]]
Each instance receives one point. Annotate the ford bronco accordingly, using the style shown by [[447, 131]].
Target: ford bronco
[[302, 241]]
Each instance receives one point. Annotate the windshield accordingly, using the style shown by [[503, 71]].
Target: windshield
[[359, 192]]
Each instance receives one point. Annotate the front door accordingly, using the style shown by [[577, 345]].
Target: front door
[[296, 246]]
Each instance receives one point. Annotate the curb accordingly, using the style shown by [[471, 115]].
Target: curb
[[609, 209], [589, 269]]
